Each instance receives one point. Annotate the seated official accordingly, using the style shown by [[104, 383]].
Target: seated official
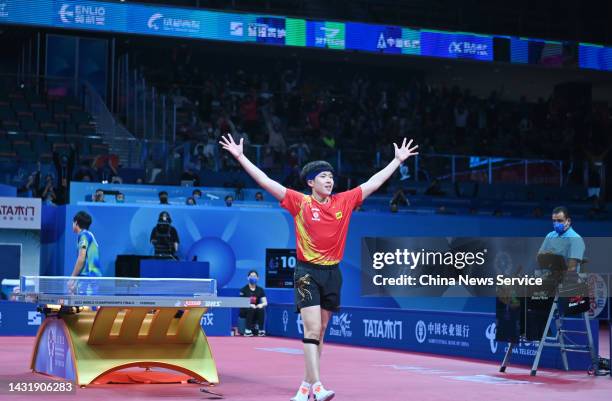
[[563, 240], [254, 314], [164, 237]]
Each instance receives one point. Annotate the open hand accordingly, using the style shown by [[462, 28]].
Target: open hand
[[236, 149], [405, 151]]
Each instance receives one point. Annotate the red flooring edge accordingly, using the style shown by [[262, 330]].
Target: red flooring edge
[[270, 369]]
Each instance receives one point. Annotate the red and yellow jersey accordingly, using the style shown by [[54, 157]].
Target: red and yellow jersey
[[320, 228]]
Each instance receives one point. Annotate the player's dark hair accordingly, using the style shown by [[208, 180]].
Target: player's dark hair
[[562, 209], [83, 220], [315, 167], [253, 271]]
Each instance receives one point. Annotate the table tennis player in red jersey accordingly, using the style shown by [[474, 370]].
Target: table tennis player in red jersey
[[321, 223]]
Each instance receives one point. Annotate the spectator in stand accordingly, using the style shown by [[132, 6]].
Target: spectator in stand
[[346, 108], [229, 200], [190, 175], [64, 164], [190, 201], [248, 112], [98, 196], [48, 194], [32, 184], [106, 166], [259, 196], [163, 198], [196, 194], [84, 173], [276, 142]]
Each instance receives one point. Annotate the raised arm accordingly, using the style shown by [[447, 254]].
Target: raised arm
[[236, 150], [401, 153]]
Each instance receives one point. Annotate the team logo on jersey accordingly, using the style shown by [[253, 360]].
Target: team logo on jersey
[[315, 214], [338, 215]]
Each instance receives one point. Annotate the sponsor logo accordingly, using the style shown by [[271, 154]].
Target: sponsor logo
[[399, 43], [329, 37], [193, 303], [257, 30], [341, 326], [315, 214], [153, 21], [598, 294], [236, 28], [82, 14], [385, 329], [471, 48], [524, 348], [17, 212], [285, 320], [51, 339], [420, 332], [442, 333], [207, 319], [214, 304], [159, 21], [66, 15], [490, 335], [34, 318], [3, 9], [338, 215]]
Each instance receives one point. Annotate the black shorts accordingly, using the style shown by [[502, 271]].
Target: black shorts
[[317, 285]]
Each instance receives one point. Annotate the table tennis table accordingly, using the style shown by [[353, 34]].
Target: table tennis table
[[95, 326]]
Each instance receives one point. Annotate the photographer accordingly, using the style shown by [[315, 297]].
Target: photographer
[[164, 237]]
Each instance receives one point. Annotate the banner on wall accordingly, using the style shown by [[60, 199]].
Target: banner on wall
[[142, 19], [19, 318], [461, 334], [20, 213]]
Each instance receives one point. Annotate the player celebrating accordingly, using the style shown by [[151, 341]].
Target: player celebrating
[[321, 224]]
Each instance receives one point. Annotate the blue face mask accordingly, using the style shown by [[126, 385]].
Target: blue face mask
[[253, 280], [559, 227]]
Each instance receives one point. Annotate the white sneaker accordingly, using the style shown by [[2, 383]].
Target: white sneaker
[[320, 393], [303, 393], [248, 333]]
